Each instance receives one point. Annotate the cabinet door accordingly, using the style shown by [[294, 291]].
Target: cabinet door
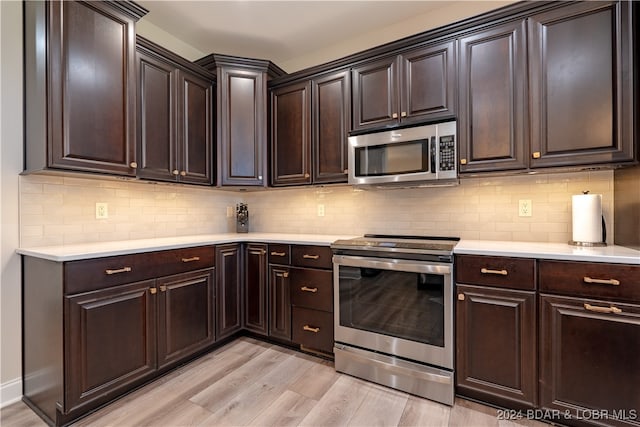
[[195, 117], [157, 155], [110, 341], [92, 84], [255, 288], [229, 291], [331, 123], [589, 357], [291, 134], [242, 130], [375, 94], [279, 303], [492, 84], [186, 306], [496, 346], [581, 84], [428, 83]]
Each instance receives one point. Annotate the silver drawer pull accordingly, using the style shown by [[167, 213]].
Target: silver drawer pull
[[119, 270], [500, 272], [310, 329], [307, 256], [195, 258], [597, 309], [305, 289], [613, 282], [278, 253]]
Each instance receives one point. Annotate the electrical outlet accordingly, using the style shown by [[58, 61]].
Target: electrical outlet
[[102, 211], [320, 210], [229, 211], [525, 208]]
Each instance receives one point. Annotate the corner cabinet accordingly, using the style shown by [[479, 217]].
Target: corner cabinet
[[229, 290], [80, 86], [417, 85], [241, 117], [310, 122], [175, 117]]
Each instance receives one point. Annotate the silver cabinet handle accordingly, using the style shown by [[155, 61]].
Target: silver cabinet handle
[[310, 329], [306, 289], [278, 253], [307, 256], [195, 258]]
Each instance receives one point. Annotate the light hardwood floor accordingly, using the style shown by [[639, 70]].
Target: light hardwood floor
[[253, 383]]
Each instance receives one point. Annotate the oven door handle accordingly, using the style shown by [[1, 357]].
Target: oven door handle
[[392, 264]]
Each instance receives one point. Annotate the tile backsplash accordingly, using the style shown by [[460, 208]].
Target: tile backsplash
[[59, 210], [479, 208]]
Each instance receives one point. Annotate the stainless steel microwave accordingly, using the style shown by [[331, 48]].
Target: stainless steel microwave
[[406, 157]]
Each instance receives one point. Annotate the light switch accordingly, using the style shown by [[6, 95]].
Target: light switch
[[525, 208], [102, 211]]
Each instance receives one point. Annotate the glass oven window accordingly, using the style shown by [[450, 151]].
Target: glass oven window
[[396, 303], [393, 159]]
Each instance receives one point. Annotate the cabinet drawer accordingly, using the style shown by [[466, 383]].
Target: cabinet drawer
[[99, 273], [311, 256], [311, 288], [279, 254], [502, 272], [187, 259], [313, 329], [587, 279]]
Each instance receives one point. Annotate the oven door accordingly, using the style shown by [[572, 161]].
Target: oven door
[[399, 307]]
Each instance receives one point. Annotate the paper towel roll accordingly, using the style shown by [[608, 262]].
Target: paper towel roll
[[586, 211]]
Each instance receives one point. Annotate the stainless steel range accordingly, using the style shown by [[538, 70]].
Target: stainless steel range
[[393, 299]]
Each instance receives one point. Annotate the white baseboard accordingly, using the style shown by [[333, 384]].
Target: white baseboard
[[10, 392]]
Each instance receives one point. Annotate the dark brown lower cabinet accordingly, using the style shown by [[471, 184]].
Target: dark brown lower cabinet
[[279, 303], [255, 289], [312, 329], [111, 341], [186, 310], [496, 346], [589, 360], [229, 291]]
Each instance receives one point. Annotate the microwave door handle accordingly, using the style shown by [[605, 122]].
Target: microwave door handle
[[432, 157]]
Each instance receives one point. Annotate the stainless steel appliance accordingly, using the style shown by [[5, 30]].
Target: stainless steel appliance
[[393, 308], [422, 155]]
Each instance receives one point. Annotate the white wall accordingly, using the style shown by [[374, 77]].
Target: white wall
[[10, 167]]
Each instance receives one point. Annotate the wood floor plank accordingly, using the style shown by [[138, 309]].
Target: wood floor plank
[[248, 404], [218, 394], [337, 406], [423, 412], [315, 386], [381, 407], [250, 382], [287, 410]]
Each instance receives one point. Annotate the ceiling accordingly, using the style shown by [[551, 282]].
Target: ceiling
[[282, 30]]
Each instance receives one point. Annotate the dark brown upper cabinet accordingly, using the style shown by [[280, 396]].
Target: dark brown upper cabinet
[[581, 84], [241, 117], [309, 128], [291, 134], [492, 106], [418, 85], [80, 86], [175, 117]]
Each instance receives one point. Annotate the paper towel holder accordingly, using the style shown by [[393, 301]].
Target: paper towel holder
[[593, 244]]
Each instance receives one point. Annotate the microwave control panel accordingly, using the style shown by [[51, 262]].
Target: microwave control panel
[[447, 153]]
